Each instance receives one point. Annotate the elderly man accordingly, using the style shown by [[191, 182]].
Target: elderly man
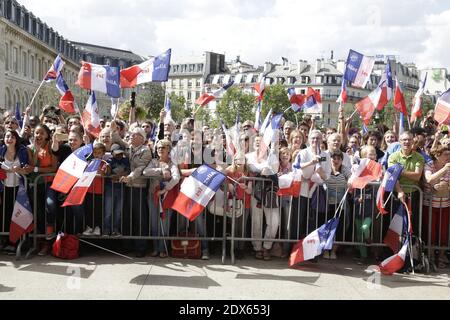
[[287, 129], [140, 156], [413, 164], [334, 143]]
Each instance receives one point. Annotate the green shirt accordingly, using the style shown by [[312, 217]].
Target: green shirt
[[410, 163]]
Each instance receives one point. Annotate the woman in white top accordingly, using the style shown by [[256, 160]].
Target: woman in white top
[[14, 162]]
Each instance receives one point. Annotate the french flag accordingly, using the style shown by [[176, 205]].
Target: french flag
[[388, 184], [152, 70], [442, 109], [18, 116], [399, 99], [296, 100], [67, 101], [206, 98], [396, 229], [79, 190], [358, 70], [197, 190], [313, 101], [230, 148], [55, 69], [100, 78], [289, 184], [270, 132], [258, 116], [71, 169], [366, 107], [266, 122], [22, 216], [387, 86], [168, 109], [416, 111], [396, 262], [343, 95], [91, 118], [366, 171], [260, 87], [314, 243]]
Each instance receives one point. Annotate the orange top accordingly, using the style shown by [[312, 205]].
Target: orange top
[[44, 157]]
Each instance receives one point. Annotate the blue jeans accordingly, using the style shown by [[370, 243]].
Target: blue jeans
[[51, 204], [113, 200], [78, 216], [159, 227]]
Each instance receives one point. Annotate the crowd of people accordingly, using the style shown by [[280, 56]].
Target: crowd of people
[[167, 152]]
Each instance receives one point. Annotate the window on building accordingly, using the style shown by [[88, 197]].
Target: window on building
[[40, 75], [189, 83], [329, 108], [197, 95], [200, 67], [15, 62], [191, 67], [189, 95], [7, 57], [198, 84], [24, 64], [302, 91]]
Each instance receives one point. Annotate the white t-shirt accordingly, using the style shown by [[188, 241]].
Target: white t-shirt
[[12, 180]]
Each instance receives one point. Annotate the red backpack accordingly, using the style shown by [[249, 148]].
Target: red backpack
[[66, 246]]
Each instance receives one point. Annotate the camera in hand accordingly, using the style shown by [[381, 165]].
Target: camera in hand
[[323, 159]]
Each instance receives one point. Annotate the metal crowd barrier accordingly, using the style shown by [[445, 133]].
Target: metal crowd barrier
[[294, 218], [147, 224]]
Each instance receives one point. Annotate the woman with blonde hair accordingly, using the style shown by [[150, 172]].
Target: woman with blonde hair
[[388, 138], [296, 141]]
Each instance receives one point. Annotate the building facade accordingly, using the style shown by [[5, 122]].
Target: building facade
[[28, 47]]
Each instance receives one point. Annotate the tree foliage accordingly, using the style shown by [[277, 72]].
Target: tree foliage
[[124, 111], [151, 99], [232, 101]]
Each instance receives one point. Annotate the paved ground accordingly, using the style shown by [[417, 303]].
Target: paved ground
[[100, 275]]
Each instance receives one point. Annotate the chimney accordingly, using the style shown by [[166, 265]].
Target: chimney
[[267, 67], [318, 66], [301, 66]]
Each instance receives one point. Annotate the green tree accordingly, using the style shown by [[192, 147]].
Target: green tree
[[51, 93], [232, 101], [124, 112], [151, 99], [178, 108]]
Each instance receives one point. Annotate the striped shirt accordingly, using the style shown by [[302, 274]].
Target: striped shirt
[[437, 202], [337, 184]]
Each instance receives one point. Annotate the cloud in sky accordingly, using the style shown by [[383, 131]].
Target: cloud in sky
[[258, 31]]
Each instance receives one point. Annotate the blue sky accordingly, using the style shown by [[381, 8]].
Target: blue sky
[[258, 31]]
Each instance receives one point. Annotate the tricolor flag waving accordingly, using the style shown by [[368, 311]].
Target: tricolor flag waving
[[296, 100], [71, 169], [197, 190], [22, 216], [260, 87], [387, 85], [230, 148], [153, 70], [55, 69], [366, 171], [397, 228], [79, 190], [67, 101], [91, 118], [388, 184], [258, 116], [399, 99], [313, 101], [314, 243], [366, 107], [358, 70], [289, 184], [206, 98], [395, 262], [416, 110], [343, 95], [442, 110], [96, 77]]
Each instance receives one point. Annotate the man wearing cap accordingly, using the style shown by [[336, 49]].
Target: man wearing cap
[[140, 156]]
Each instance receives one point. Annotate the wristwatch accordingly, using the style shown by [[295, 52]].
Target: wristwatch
[[36, 169]]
